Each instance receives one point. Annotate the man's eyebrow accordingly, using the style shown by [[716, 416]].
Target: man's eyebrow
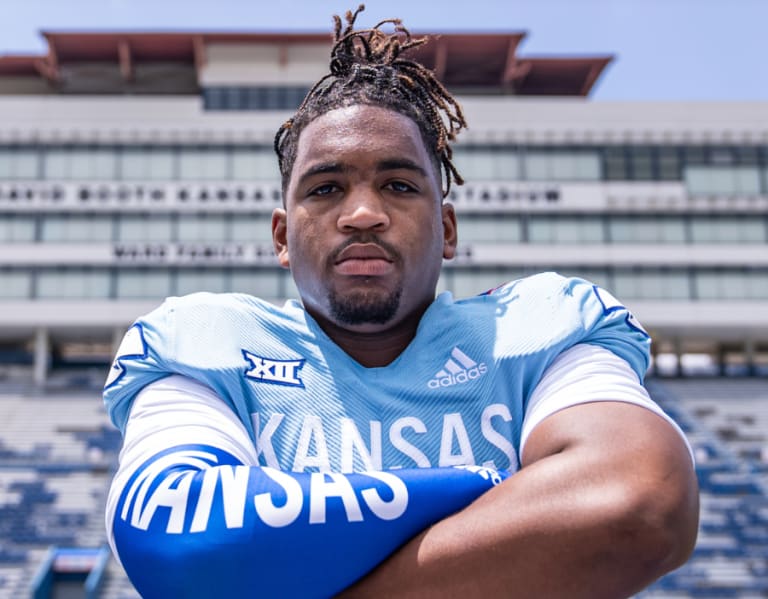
[[322, 169], [390, 164], [401, 163]]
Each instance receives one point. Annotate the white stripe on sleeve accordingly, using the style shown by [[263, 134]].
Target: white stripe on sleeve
[[583, 374]]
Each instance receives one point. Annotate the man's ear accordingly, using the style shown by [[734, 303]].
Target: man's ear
[[280, 236], [450, 231]]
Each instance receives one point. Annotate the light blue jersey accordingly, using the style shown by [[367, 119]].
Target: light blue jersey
[[456, 395], [322, 468]]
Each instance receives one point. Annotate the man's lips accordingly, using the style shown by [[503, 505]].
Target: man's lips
[[368, 260]]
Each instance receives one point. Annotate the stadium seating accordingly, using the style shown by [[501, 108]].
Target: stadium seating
[[57, 453], [726, 421]]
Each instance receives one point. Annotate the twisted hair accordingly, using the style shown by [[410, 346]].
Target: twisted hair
[[367, 67]]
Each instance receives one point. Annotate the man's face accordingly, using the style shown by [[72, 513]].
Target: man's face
[[364, 230]]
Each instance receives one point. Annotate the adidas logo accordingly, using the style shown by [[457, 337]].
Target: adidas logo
[[459, 368]]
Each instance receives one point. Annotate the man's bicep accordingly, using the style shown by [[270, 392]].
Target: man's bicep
[[177, 410], [608, 433], [585, 375]]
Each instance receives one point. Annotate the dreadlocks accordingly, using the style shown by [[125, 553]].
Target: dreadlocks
[[367, 67]]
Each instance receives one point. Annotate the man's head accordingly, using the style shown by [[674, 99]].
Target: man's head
[[368, 67], [364, 228]]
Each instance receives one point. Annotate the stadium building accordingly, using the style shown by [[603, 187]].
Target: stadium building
[[135, 166]]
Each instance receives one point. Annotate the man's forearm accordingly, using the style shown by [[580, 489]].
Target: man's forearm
[[581, 522]]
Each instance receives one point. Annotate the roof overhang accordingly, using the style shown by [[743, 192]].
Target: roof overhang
[[483, 61]]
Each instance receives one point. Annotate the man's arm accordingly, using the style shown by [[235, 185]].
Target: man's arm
[[606, 502], [191, 514]]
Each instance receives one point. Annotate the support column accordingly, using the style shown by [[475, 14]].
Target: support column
[[654, 369], [42, 357], [678, 349], [749, 357], [117, 337], [722, 360]]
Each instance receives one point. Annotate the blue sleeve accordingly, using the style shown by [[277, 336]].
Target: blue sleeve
[[193, 521]]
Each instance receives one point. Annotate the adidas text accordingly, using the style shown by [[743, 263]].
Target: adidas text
[[463, 376]]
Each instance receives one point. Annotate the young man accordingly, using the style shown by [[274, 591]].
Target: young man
[[351, 443]]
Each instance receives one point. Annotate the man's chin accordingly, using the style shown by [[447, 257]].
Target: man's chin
[[363, 309]]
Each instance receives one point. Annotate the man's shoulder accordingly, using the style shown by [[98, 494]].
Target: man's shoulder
[[532, 285], [546, 307], [200, 320], [209, 300], [211, 305], [545, 286]]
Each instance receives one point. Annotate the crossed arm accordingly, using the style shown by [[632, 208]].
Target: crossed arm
[[606, 502]]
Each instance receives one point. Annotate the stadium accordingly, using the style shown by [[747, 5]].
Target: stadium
[[136, 166]]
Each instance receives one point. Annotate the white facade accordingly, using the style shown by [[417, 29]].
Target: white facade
[[110, 202]]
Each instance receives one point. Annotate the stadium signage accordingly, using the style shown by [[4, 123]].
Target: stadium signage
[[192, 253]]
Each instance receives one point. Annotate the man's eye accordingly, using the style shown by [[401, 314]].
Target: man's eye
[[401, 187], [323, 190]]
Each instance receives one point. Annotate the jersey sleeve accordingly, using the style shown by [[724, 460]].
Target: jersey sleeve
[[545, 314], [141, 359], [191, 514], [609, 324]]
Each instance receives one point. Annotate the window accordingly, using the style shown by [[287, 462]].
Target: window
[[747, 155], [200, 228], [16, 228], [73, 284], [254, 228], [254, 164], [258, 282], [642, 229], [203, 164], [19, 163], [190, 281], [80, 163], [722, 180], [641, 163], [266, 97], [147, 164], [651, 284], [695, 155], [565, 229], [732, 284], [490, 229], [215, 98], [727, 229], [15, 284], [562, 166], [144, 228], [616, 163], [487, 164], [138, 284], [670, 167], [76, 228]]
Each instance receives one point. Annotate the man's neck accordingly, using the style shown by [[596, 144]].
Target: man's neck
[[373, 345]]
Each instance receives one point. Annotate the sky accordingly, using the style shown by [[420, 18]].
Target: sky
[[709, 50]]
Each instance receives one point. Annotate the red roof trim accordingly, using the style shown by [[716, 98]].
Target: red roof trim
[[461, 60]]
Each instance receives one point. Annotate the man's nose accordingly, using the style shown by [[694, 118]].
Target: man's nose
[[363, 209]]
